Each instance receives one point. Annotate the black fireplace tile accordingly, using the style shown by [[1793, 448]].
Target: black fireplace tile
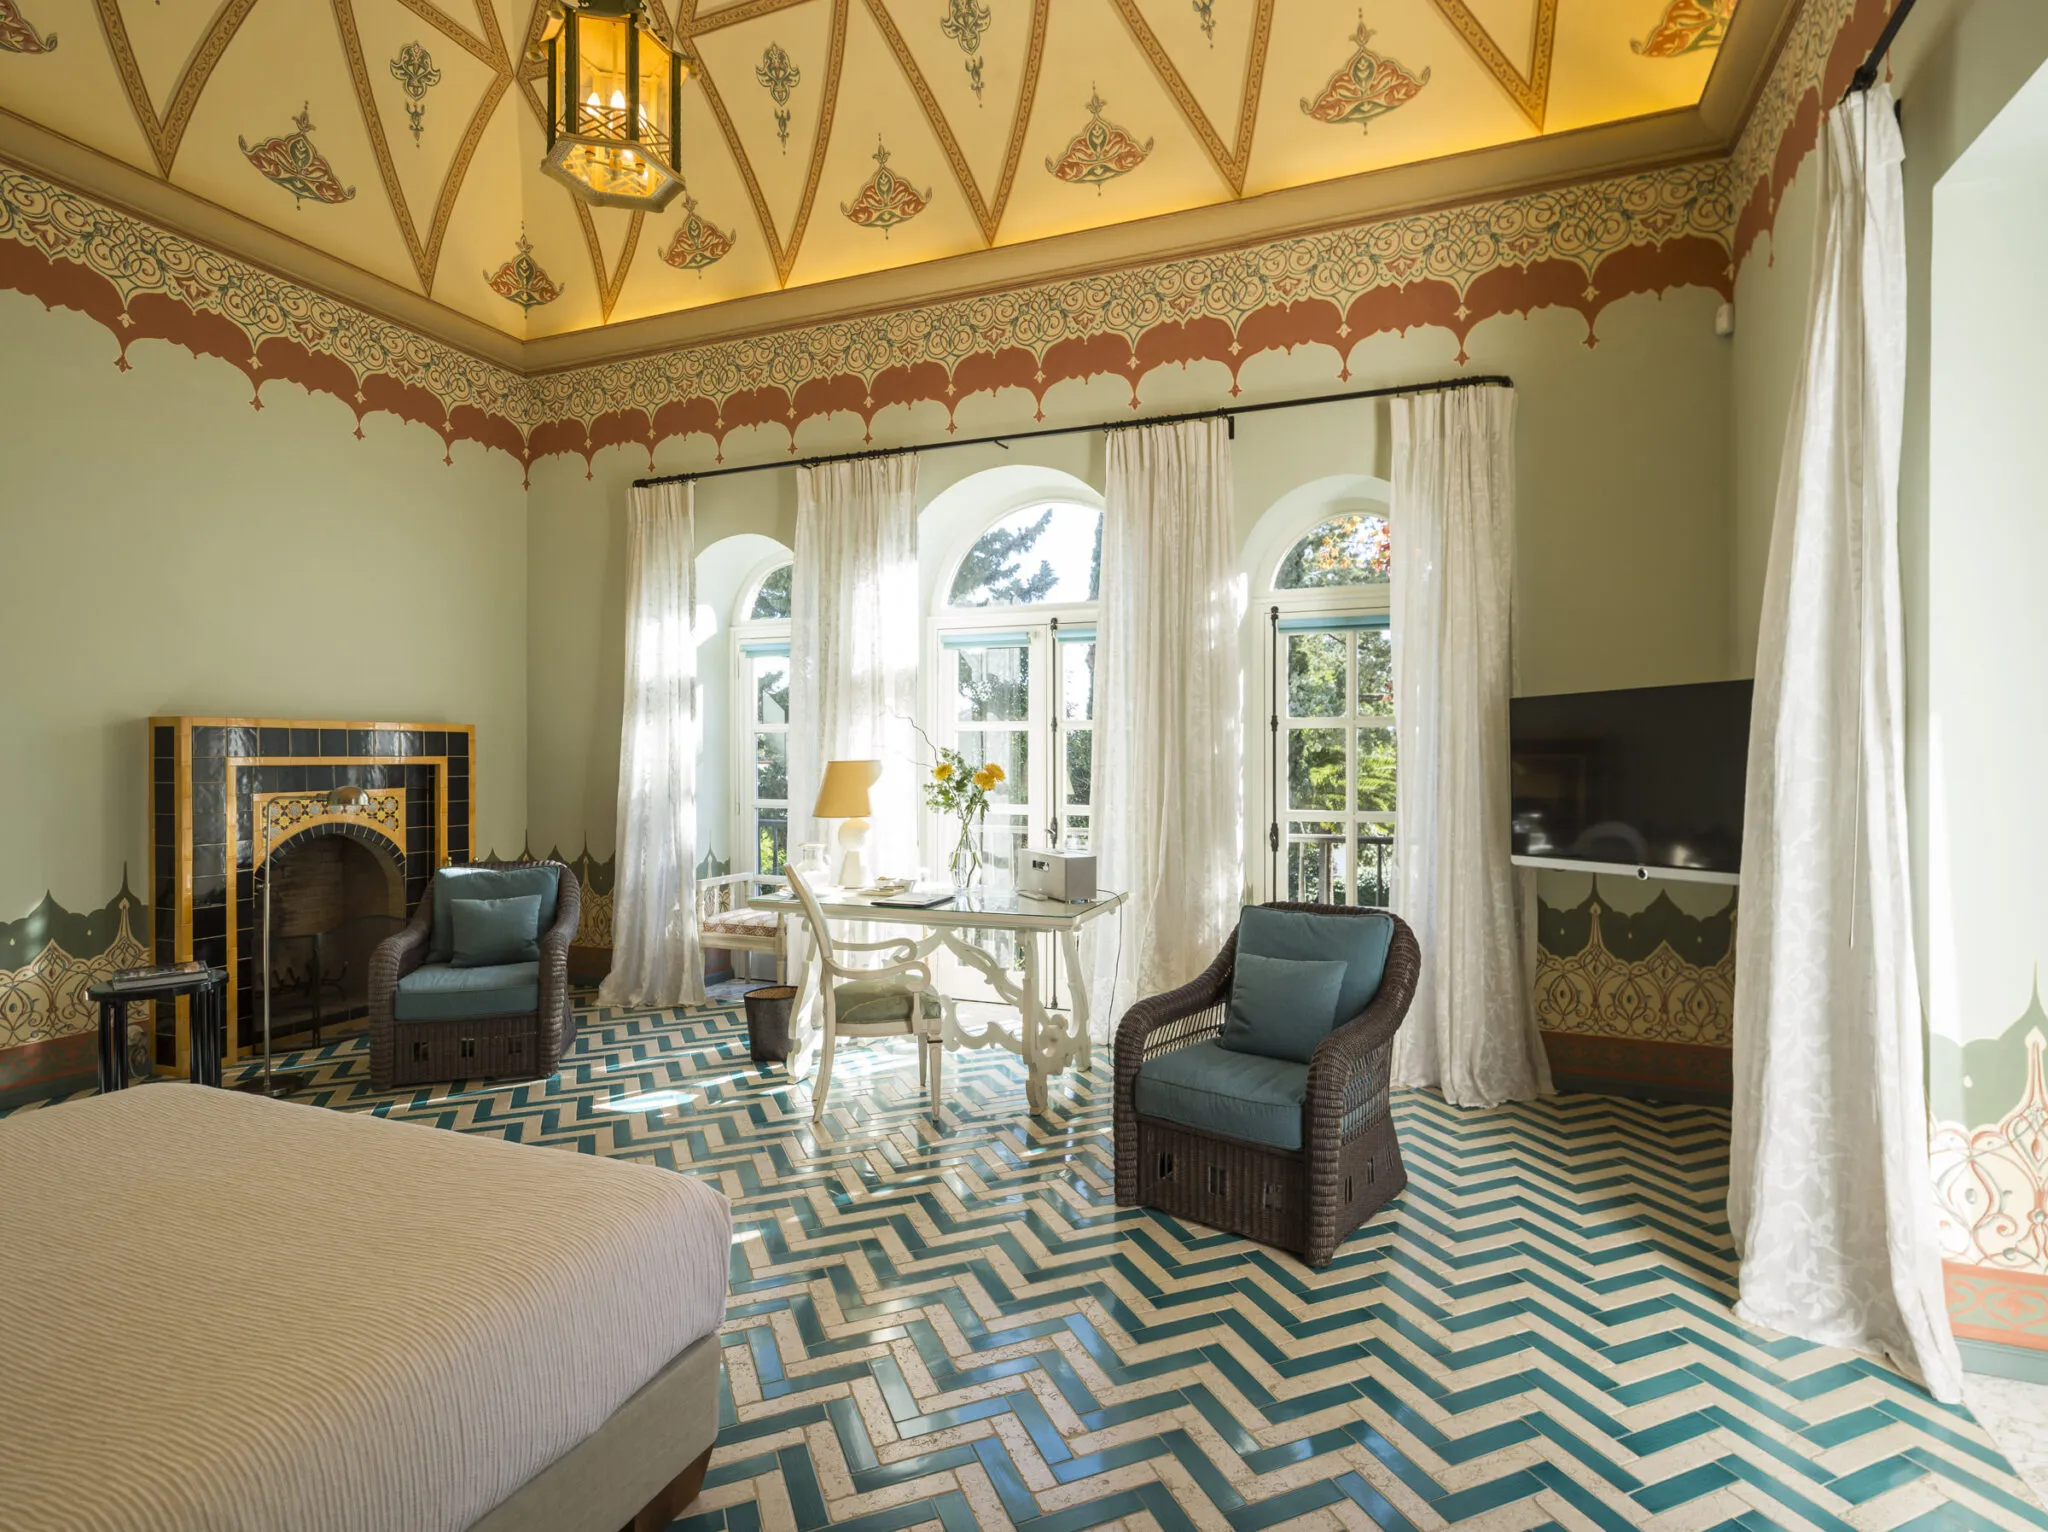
[[208, 771], [436, 742], [242, 741], [207, 739], [245, 854], [275, 741], [290, 779], [209, 860], [320, 778], [164, 745], [458, 745], [209, 819], [419, 840], [334, 742], [359, 742], [166, 826], [376, 777], [210, 923], [305, 742], [165, 798], [406, 741], [214, 949]]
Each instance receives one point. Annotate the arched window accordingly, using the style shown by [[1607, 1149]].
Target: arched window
[[1041, 555], [761, 721], [771, 595], [1354, 549], [1331, 777], [1015, 671]]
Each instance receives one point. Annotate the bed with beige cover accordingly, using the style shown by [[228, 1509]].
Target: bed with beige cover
[[230, 1314]]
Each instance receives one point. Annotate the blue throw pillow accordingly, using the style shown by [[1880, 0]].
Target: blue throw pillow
[[489, 932], [467, 882], [1280, 1007]]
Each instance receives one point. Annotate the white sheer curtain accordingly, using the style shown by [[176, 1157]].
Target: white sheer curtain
[[1168, 797], [853, 645], [1829, 1194], [1471, 1030], [656, 959]]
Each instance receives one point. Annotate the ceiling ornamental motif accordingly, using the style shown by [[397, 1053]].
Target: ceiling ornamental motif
[[1687, 26], [699, 242], [1100, 152], [1366, 86], [415, 73], [522, 281], [964, 22], [292, 161], [779, 77], [885, 198], [785, 99], [18, 36]]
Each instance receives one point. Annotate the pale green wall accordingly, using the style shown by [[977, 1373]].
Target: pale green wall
[[1624, 484], [167, 549]]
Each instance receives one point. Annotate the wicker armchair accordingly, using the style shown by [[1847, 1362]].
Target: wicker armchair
[[1307, 1200], [508, 1044]]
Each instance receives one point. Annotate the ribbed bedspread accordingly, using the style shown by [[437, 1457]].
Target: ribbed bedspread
[[229, 1314]]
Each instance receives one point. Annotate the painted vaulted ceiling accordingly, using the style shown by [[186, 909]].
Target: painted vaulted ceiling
[[822, 138]]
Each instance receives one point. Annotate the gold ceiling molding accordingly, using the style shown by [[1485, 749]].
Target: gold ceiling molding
[[426, 254], [1233, 159], [165, 133], [1531, 91]]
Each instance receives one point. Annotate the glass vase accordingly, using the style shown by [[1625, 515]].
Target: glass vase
[[965, 864]]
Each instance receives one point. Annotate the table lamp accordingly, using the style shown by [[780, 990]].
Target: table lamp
[[843, 795]]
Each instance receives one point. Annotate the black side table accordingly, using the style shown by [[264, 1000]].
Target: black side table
[[209, 991]]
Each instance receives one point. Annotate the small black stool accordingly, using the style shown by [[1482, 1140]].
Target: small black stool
[[209, 991]]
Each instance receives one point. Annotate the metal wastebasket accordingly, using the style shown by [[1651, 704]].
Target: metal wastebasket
[[768, 1023]]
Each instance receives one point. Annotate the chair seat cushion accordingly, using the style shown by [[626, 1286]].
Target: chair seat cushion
[[452, 883], [1359, 941], [880, 1000], [741, 923], [443, 992], [1238, 1095]]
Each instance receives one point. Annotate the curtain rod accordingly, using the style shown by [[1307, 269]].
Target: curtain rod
[[1003, 440], [1866, 73]]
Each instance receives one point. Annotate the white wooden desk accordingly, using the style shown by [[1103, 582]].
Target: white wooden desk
[[1047, 1039]]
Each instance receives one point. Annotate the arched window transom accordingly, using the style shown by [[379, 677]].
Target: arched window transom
[[1353, 549]]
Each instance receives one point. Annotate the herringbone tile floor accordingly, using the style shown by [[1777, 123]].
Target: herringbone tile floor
[[953, 1325]]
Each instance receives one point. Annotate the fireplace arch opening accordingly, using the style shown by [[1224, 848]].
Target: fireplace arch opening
[[335, 894]]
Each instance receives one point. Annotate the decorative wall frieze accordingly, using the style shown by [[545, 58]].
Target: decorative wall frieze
[[1827, 41], [1659, 975], [1580, 247]]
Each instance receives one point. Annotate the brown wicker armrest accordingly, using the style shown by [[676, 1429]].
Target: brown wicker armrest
[[1348, 1073], [557, 1015], [391, 960], [1191, 1014]]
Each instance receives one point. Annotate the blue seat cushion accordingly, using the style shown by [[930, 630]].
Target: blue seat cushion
[[1280, 1007], [878, 1000], [1360, 942], [443, 992], [1238, 1095], [452, 883]]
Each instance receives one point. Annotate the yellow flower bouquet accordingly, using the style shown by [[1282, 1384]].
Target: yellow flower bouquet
[[962, 791]]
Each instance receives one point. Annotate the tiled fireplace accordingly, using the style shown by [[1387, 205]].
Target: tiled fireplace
[[219, 787]]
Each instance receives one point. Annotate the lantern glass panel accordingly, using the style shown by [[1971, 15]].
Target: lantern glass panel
[[652, 128], [601, 74]]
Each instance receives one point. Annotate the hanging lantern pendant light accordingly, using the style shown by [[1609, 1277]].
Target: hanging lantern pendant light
[[615, 107]]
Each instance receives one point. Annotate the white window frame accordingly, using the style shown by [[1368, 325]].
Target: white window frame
[[1042, 623], [748, 630], [1335, 603]]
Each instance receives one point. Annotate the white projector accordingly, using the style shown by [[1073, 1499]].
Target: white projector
[[1067, 877]]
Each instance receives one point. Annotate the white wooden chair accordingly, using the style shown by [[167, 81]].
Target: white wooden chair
[[894, 1000], [725, 922]]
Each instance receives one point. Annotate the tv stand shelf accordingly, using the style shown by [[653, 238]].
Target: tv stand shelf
[[1627, 870]]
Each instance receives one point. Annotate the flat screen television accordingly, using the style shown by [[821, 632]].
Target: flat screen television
[[1649, 777]]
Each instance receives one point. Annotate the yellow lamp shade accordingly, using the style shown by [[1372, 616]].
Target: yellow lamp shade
[[844, 792]]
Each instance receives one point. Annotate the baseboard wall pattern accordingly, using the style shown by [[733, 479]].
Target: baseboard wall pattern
[[1645, 1071]]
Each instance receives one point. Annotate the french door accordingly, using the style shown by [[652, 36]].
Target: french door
[[1331, 776], [1022, 696]]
